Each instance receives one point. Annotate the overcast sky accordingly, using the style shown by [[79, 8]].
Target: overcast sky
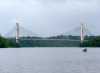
[[49, 17]]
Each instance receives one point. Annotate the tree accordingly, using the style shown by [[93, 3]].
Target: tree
[[5, 43]]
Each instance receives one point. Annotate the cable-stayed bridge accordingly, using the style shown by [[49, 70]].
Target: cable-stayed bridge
[[21, 34]]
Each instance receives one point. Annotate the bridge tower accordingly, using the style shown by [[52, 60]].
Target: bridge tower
[[83, 32], [17, 32]]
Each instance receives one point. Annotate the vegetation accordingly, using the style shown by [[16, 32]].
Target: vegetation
[[54, 41], [92, 42], [5, 43]]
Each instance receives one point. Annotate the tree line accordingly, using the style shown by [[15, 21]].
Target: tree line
[[6, 43], [91, 41]]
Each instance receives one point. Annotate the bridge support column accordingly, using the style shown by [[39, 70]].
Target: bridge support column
[[17, 32], [82, 33]]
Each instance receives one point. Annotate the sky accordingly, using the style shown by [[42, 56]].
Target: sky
[[49, 17]]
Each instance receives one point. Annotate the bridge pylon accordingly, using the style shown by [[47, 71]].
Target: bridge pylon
[[83, 32], [17, 32]]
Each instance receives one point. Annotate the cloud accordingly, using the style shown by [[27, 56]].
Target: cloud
[[49, 17]]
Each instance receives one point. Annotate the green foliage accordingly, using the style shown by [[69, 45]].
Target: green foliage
[[94, 42], [5, 43], [90, 41]]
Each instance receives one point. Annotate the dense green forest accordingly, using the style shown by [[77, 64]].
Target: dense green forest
[[54, 41], [74, 41], [92, 42], [5, 43]]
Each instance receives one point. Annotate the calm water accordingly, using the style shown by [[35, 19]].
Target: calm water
[[49, 60]]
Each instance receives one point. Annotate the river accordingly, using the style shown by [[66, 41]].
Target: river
[[49, 60]]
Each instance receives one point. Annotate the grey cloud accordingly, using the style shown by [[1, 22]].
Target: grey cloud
[[59, 18], [51, 17]]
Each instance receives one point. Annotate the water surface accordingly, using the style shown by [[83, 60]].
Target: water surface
[[49, 60]]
